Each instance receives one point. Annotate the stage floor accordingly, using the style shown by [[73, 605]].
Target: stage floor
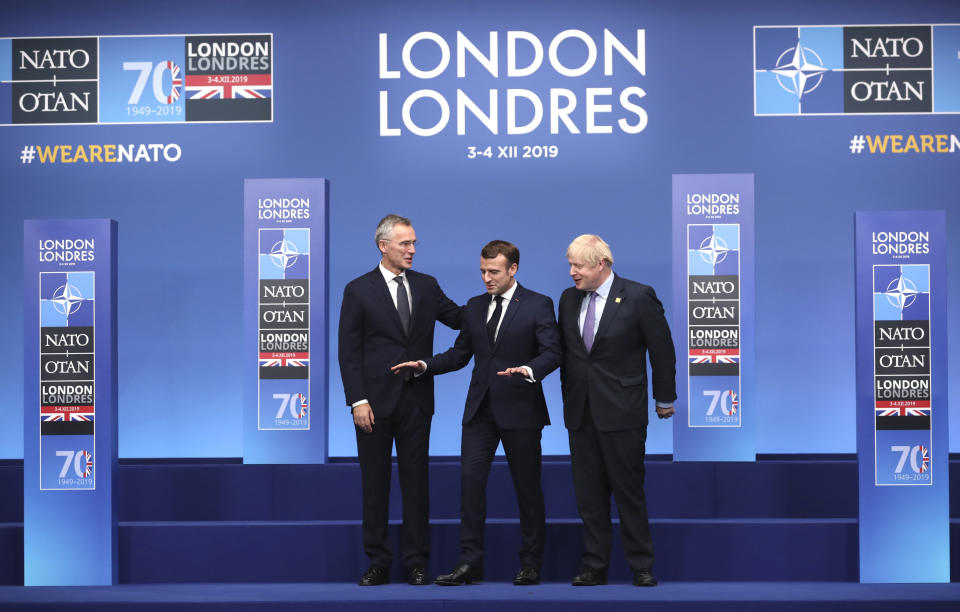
[[682, 596]]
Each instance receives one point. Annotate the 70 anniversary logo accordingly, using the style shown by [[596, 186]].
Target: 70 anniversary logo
[[136, 79]]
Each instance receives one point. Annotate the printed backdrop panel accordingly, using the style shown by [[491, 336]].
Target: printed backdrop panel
[[70, 402], [902, 442], [138, 79], [713, 328], [285, 293]]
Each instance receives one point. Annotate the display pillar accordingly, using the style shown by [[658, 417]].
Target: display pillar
[[713, 327], [285, 320], [902, 435], [70, 402]]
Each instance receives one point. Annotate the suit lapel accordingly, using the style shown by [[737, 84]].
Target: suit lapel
[[573, 316], [419, 299], [512, 308], [610, 309], [382, 293]]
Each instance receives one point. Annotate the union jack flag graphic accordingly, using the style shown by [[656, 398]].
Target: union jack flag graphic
[[176, 82], [903, 408], [274, 360], [66, 414], [87, 460], [70, 417], [303, 405], [734, 402], [227, 86], [714, 356], [925, 464]]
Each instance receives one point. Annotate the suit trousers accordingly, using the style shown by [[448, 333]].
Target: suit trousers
[[605, 462], [479, 441], [409, 427]]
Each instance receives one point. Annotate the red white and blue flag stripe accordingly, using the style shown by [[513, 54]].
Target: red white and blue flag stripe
[[273, 360], [229, 86], [714, 356], [903, 408]]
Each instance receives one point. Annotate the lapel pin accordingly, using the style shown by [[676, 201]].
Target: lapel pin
[[617, 300]]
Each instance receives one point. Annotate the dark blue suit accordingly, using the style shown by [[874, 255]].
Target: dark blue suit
[[371, 340], [503, 408], [605, 411]]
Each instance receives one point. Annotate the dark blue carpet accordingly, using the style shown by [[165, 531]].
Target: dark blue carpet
[[677, 597]]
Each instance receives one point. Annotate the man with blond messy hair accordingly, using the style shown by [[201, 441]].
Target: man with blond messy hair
[[609, 325]]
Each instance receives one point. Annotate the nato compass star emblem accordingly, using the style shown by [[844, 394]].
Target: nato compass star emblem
[[713, 250], [67, 299], [799, 70], [284, 254], [901, 293]]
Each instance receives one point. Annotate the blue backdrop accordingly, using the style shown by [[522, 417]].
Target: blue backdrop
[[180, 222]]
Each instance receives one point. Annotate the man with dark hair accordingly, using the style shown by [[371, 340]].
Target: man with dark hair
[[511, 333], [609, 325], [388, 315]]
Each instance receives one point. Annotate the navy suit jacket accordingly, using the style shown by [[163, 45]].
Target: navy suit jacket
[[371, 339], [613, 375], [528, 336]]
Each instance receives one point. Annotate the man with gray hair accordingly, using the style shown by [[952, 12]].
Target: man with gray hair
[[388, 316], [608, 326]]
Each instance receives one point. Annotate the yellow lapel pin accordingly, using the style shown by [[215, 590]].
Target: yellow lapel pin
[[617, 300]]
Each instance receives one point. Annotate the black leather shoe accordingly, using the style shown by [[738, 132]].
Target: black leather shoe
[[527, 576], [375, 574], [418, 576], [643, 577], [464, 573], [590, 576]]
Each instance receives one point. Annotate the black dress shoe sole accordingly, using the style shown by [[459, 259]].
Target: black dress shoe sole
[[596, 580], [461, 582]]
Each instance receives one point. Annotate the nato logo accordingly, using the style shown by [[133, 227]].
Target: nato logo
[[713, 249], [856, 69], [798, 70], [901, 293], [66, 299], [284, 254]]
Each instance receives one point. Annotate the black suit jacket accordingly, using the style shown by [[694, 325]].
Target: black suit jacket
[[371, 339], [528, 336], [614, 374]]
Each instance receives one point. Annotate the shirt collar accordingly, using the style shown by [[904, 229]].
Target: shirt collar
[[508, 294], [604, 289], [389, 276]]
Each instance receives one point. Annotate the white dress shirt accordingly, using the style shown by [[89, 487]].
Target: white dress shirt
[[388, 277], [507, 298]]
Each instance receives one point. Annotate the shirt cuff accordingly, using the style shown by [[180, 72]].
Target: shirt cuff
[[529, 372], [355, 404], [421, 373], [664, 404]]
